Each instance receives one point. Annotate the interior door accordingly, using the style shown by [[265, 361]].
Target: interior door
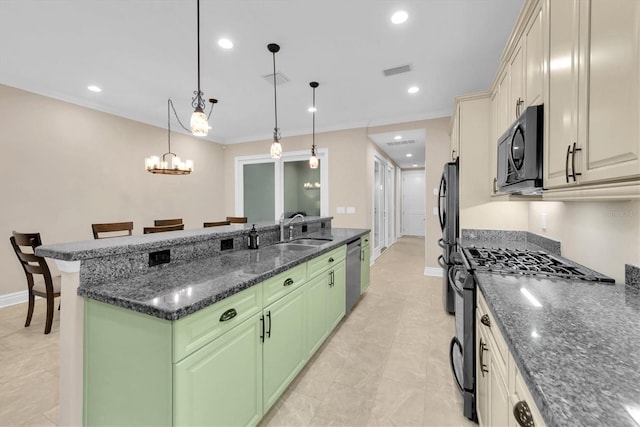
[[379, 231], [413, 203]]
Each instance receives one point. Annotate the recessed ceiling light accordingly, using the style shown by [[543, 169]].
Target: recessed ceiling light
[[413, 89], [399, 17], [415, 166], [225, 43], [409, 155], [397, 137], [94, 88], [312, 109]]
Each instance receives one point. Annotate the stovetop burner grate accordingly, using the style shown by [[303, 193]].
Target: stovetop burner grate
[[518, 261]]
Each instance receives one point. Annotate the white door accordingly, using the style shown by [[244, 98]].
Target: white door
[[413, 203], [383, 234]]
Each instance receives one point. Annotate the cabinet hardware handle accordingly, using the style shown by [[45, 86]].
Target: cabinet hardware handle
[[366, 240], [495, 185], [522, 413], [573, 162], [362, 255], [566, 164], [228, 315], [482, 349], [288, 282], [331, 259], [262, 328], [485, 320], [269, 330], [331, 279]]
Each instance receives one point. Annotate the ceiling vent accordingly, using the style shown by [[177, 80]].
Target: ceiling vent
[[397, 70], [280, 79], [404, 142]]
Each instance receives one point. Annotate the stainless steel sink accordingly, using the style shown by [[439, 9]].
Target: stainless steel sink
[[311, 242], [293, 246]]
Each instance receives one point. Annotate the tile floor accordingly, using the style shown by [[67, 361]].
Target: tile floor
[[385, 365]]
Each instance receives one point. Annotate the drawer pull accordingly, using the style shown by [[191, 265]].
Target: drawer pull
[[485, 320], [228, 315], [331, 259], [523, 414], [482, 349], [288, 282]]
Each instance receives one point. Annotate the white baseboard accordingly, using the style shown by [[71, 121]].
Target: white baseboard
[[433, 271], [15, 298]]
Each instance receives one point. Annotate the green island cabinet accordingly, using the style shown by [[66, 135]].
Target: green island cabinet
[[225, 365], [365, 255]]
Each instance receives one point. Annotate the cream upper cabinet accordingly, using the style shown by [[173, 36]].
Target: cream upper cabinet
[[609, 117], [503, 104], [493, 143], [592, 127], [455, 134], [516, 84], [534, 60], [561, 108]]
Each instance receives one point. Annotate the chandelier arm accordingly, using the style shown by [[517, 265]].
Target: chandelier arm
[[177, 117]]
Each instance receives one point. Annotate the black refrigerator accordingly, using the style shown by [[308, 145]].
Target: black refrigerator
[[448, 209]]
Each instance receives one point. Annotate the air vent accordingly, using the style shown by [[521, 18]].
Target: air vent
[[397, 70], [280, 79], [405, 142]]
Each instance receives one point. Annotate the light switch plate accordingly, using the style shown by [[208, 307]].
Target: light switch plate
[[340, 210], [351, 210]]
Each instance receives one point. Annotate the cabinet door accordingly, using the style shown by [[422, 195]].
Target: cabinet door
[[221, 384], [498, 394], [611, 128], [561, 109], [336, 295], [493, 142], [283, 350], [365, 268], [503, 104], [482, 375], [315, 314], [534, 61], [516, 84], [455, 134]]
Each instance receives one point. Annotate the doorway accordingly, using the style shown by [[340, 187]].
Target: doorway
[[383, 212], [413, 203]]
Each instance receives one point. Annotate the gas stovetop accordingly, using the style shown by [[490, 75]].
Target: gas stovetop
[[517, 261]]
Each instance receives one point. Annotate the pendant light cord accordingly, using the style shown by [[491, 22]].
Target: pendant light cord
[[169, 106], [198, 31], [313, 135], [276, 137]]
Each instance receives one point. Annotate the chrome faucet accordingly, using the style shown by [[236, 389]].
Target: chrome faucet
[[282, 224]]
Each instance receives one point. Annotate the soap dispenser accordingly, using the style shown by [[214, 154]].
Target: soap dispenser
[[254, 239]]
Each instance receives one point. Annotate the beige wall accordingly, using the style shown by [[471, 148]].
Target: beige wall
[[347, 170], [66, 167], [601, 235], [499, 215]]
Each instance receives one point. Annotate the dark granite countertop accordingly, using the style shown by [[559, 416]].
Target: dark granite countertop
[[177, 291], [579, 353]]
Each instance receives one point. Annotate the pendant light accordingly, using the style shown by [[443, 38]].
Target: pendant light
[[313, 160], [276, 147], [199, 124], [170, 163]]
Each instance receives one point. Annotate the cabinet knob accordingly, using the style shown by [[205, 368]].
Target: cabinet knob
[[228, 315], [522, 413], [485, 320], [331, 259], [288, 282]]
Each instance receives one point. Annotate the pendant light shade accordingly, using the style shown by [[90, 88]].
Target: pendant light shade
[[313, 160], [170, 164], [276, 147]]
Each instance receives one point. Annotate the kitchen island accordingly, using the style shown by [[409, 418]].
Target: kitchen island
[[577, 348], [114, 280]]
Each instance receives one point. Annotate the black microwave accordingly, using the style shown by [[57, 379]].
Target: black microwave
[[520, 154]]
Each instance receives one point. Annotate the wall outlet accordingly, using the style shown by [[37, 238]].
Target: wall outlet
[[351, 210], [543, 220], [159, 257], [340, 210], [435, 211], [435, 191]]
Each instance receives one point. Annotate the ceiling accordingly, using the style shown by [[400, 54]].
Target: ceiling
[[141, 52]]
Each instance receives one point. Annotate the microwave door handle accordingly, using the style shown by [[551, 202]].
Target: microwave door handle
[[441, 197]]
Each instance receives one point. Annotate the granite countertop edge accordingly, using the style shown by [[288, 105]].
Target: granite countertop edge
[[103, 294]]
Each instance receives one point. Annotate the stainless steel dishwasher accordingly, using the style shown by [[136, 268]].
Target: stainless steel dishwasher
[[353, 273]]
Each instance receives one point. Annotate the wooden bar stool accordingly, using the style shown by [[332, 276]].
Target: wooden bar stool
[[162, 228], [165, 222], [36, 265], [216, 224], [237, 219], [111, 227]]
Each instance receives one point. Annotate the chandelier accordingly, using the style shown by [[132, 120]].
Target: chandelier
[[170, 164]]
